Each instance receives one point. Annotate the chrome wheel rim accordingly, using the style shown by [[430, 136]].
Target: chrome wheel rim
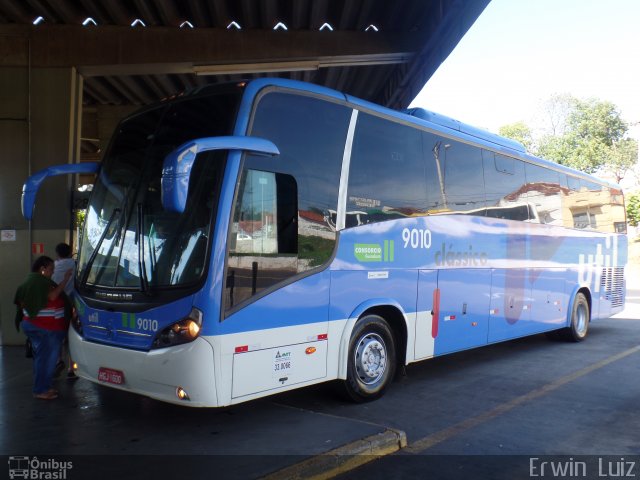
[[370, 357], [581, 320]]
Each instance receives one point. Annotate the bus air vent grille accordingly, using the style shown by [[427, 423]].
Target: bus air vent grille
[[612, 283]]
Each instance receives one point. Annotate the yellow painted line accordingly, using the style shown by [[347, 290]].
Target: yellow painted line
[[460, 427], [345, 458]]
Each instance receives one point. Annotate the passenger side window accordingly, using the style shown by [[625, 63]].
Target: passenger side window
[[597, 205], [459, 175], [504, 183], [544, 194], [263, 240], [387, 173], [587, 205], [618, 214], [283, 218], [258, 222], [578, 205], [574, 211]]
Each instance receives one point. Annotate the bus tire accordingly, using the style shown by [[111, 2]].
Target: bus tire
[[371, 360], [580, 319]]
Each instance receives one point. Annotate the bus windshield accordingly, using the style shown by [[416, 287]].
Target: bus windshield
[[129, 240]]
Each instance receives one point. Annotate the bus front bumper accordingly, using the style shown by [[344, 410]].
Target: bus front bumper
[[158, 374]]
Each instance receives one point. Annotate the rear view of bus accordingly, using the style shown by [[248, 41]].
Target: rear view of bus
[[248, 239]]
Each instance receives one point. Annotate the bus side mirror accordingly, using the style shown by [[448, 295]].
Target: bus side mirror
[[32, 185], [176, 169]]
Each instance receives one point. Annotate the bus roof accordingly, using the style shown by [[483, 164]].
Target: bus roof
[[459, 126]]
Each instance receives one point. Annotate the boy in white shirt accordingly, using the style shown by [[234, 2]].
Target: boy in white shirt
[[64, 262]]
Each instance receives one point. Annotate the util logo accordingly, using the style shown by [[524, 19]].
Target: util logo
[[590, 266]]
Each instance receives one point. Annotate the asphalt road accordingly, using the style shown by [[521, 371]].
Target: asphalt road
[[503, 411]]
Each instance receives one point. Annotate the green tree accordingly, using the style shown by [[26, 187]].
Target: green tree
[[623, 157], [591, 128], [633, 209], [588, 135], [556, 148], [520, 132], [594, 120]]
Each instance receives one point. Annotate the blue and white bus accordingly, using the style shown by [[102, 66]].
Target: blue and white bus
[[247, 239]]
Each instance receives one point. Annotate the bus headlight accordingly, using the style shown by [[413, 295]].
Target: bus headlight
[[184, 331]]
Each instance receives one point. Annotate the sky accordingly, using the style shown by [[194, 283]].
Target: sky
[[520, 52]]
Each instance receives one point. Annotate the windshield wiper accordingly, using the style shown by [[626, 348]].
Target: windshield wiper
[[92, 258], [144, 284]]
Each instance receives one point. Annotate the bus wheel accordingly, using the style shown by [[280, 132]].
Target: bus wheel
[[579, 327], [372, 359]]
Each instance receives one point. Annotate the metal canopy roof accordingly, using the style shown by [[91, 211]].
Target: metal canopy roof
[[383, 51]]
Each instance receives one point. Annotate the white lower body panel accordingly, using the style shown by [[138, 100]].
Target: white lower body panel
[[156, 374]]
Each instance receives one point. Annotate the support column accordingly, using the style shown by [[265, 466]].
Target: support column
[[40, 118]]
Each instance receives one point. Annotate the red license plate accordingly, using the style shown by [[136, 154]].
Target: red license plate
[[110, 375]]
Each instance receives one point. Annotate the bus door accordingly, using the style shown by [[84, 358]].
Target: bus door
[[453, 308]]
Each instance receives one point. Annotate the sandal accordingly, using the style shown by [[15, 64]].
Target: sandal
[[50, 395]]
